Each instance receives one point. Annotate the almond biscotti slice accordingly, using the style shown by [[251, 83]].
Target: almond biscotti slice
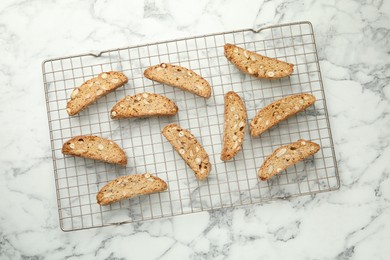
[[94, 89], [286, 156], [95, 147], [179, 77], [279, 110], [189, 149], [144, 105], [257, 65], [234, 127], [130, 186]]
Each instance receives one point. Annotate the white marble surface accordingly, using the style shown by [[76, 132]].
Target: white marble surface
[[353, 40]]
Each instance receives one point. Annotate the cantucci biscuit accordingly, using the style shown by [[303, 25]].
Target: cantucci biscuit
[[189, 149], [286, 156], [130, 186], [179, 77], [95, 147], [257, 65], [144, 105], [234, 127], [279, 110], [94, 89]]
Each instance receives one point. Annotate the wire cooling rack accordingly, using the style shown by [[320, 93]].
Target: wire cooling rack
[[230, 183]]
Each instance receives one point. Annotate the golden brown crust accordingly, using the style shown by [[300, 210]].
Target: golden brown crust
[[257, 65], [286, 156], [189, 149], [95, 147], [234, 127], [144, 105], [279, 110], [93, 89], [179, 77], [130, 186]]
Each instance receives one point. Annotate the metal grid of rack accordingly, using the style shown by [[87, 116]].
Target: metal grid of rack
[[230, 183]]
